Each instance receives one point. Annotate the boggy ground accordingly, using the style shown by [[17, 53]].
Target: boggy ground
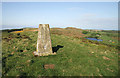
[[75, 56]]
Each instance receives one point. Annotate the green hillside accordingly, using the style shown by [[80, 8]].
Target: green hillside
[[75, 55]]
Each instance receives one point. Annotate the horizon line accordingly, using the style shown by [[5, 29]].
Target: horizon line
[[58, 27]]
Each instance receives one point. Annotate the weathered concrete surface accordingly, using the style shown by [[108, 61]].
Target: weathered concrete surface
[[44, 46]]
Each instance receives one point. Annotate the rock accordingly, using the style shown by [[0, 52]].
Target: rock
[[106, 58], [25, 51], [12, 53], [49, 66]]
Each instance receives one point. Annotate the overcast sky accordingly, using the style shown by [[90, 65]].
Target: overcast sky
[[85, 15]]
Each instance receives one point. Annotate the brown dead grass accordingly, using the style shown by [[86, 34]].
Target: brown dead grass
[[32, 29], [69, 31], [17, 31]]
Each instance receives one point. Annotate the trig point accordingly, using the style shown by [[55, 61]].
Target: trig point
[[44, 46]]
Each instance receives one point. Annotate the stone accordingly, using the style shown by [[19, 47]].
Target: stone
[[106, 58], [49, 66], [44, 47]]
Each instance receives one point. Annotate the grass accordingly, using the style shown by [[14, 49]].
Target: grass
[[76, 58]]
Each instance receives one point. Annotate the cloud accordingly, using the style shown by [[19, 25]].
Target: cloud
[[93, 21], [98, 23], [101, 21]]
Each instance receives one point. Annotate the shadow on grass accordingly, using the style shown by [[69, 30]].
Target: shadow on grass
[[55, 49], [14, 30]]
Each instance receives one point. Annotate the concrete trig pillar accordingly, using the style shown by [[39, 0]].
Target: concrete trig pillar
[[44, 46]]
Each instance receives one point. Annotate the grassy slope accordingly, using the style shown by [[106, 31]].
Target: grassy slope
[[76, 58]]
